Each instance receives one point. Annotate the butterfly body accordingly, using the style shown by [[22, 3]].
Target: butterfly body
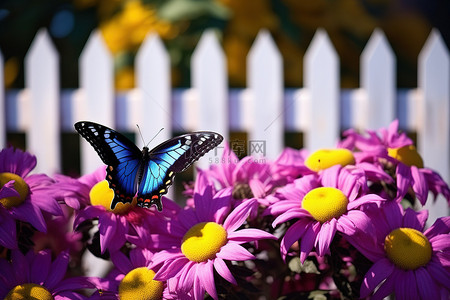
[[145, 174]]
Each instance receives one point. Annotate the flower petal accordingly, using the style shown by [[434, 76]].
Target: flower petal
[[40, 267], [376, 274], [205, 273], [325, 236], [57, 270], [121, 262], [249, 234], [233, 251], [238, 216], [223, 270], [426, 286], [293, 234]]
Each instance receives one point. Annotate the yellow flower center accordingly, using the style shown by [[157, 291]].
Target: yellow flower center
[[408, 248], [29, 291], [407, 155], [326, 158], [101, 194], [203, 241], [19, 185], [139, 284], [325, 203]]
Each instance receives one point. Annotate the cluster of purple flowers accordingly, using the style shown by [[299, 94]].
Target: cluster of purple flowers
[[342, 223]]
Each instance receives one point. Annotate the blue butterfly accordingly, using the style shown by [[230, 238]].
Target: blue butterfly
[[145, 174]]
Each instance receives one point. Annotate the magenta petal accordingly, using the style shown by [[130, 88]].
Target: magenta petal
[[293, 234], [410, 220], [21, 266], [369, 198], [8, 236], [238, 216], [403, 180], [438, 272], [426, 286], [250, 234], [107, 228], [223, 270], [187, 276], [440, 243], [308, 240], [40, 267], [7, 190], [121, 262], [406, 287], [57, 270], [258, 188], [27, 212], [77, 283], [441, 225], [325, 236], [419, 185], [293, 213], [205, 273], [233, 251], [376, 274], [282, 206], [164, 256], [171, 268]]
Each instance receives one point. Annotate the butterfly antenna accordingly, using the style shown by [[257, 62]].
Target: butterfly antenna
[[155, 136], [140, 133]]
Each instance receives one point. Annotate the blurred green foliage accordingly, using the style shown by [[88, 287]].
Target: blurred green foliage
[[180, 23]]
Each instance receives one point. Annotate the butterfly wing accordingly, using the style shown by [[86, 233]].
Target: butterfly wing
[[122, 157], [169, 158]]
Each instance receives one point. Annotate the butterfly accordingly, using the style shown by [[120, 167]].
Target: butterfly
[[146, 174]]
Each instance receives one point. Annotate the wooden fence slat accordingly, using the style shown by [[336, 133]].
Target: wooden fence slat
[[153, 83], [321, 79], [265, 81], [378, 81], [42, 82], [434, 120], [209, 80], [97, 93]]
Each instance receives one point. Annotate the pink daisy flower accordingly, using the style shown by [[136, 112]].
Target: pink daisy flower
[[397, 152], [23, 197], [247, 178], [320, 206], [35, 276], [91, 196], [203, 238], [133, 279], [408, 261]]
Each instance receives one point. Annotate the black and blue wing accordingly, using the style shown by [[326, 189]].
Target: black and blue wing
[[169, 158], [122, 157]]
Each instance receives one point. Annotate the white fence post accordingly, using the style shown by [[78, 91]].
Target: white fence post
[[321, 81], [265, 81], [42, 82], [97, 94], [378, 84], [434, 128], [153, 83], [209, 81], [2, 105]]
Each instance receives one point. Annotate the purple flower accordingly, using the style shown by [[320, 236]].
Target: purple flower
[[397, 152], [92, 196], [322, 205], [23, 196], [248, 178], [132, 278], [408, 261], [35, 276], [203, 238]]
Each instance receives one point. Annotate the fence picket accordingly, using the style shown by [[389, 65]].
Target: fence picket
[[434, 128], [321, 80], [378, 83], [97, 93], [209, 80], [42, 82], [153, 83], [265, 81]]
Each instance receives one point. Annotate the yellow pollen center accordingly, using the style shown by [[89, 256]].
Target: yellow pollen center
[[326, 158], [139, 284], [29, 291], [408, 248], [203, 241], [407, 155], [19, 185], [325, 203], [101, 194]]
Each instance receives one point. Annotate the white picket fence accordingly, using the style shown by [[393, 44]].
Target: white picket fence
[[264, 109]]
